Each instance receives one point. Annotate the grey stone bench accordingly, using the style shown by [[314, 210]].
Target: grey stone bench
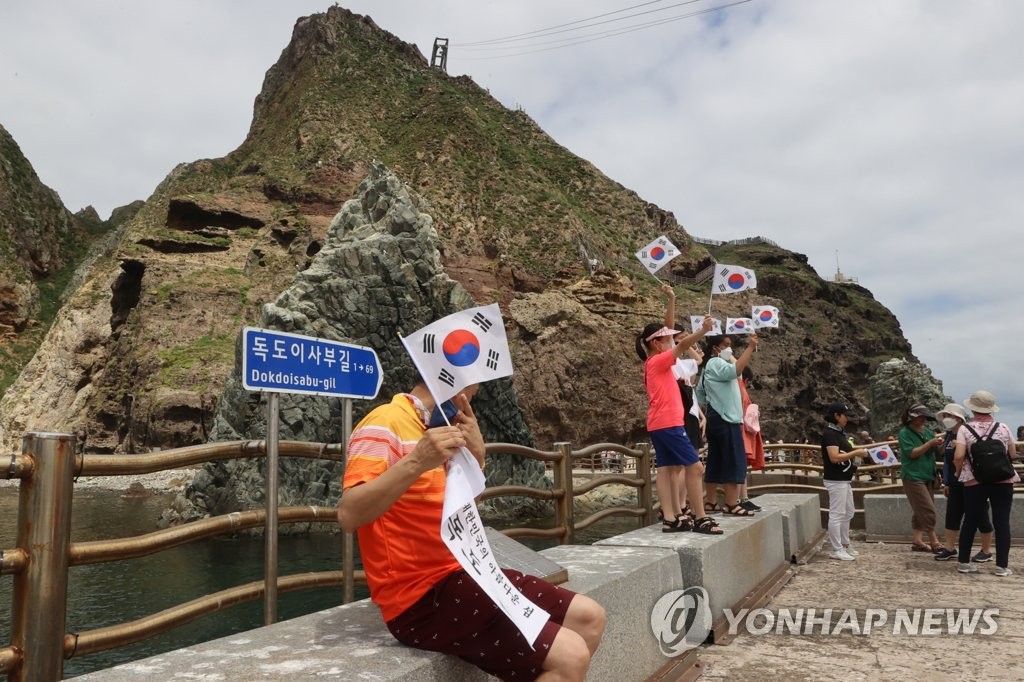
[[732, 567], [351, 641], [887, 517], [801, 522]]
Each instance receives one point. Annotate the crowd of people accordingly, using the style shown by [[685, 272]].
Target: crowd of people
[[977, 483], [695, 381], [686, 411], [395, 482]]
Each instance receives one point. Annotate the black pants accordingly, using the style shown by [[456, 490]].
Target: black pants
[[955, 510], [1000, 496]]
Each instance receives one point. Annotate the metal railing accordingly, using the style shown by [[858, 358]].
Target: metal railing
[[805, 459], [49, 465]]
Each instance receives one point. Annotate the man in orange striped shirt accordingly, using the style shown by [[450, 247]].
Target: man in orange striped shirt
[[393, 495]]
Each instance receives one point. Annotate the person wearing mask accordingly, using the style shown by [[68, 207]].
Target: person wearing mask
[[999, 494], [952, 417], [919, 447], [719, 390], [837, 455]]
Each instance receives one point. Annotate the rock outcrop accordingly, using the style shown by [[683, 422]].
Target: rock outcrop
[[378, 274], [41, 243], [894, 386]]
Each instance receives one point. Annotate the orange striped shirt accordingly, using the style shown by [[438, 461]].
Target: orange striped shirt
[[402, 551]]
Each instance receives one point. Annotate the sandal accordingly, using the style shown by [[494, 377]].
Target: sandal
[[738, 510], [676, 526], [712, 508], [707, 526], [920, 547]]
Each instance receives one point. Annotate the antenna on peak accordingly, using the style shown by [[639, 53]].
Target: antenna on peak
[[439, 55]]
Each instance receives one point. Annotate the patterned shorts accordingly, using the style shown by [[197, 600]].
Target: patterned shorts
[[457, 617]]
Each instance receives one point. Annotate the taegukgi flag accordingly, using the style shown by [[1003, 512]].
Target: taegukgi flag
[[883, 454], [764, 316], [697, 321], [467, 347], [739, 325], [732, 279], [657, 254]]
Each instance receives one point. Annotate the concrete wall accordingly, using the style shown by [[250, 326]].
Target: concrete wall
[[627, 574], [887, 517]]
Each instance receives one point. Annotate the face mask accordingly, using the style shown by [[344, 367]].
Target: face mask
[[435, 417], [949, 423], [726, 354]]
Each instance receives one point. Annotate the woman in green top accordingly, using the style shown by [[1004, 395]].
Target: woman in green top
[[918, 448]]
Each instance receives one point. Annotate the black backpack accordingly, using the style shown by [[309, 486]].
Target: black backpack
[[990, 461]]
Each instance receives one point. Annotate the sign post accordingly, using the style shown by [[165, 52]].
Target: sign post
[[276, 362]]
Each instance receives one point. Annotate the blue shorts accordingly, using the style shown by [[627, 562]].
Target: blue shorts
[[672, 447]]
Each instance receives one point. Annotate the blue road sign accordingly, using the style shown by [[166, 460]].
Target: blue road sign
[[280, 362]]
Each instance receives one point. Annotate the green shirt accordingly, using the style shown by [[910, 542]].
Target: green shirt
[[920, 469], [718, 388]]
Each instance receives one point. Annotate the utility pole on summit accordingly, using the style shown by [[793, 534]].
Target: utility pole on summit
[[439, 55]]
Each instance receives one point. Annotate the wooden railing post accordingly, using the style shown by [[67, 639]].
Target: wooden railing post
[[645, 499], [39, 605], [563, 480]]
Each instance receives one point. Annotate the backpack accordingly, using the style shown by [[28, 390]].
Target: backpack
[[990, 461]]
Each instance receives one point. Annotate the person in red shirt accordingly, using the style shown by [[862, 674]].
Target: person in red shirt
[[393, 496], [666, 420]]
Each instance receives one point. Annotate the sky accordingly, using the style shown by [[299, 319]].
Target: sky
[[882, 138]]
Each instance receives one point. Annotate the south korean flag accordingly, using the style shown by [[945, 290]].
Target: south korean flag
[[697, 322], [765, 316], [739, 325], [467, 347], [657, 254]]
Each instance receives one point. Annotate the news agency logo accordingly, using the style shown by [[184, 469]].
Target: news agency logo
[[828, 621], [681, 620]]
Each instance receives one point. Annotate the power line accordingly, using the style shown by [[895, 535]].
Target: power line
[[607, 34], [551, 28]]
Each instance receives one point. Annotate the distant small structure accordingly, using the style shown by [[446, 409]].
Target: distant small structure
[[839, 277], [439, 55]]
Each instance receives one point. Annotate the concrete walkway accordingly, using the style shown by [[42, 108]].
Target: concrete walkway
[[887, 577]]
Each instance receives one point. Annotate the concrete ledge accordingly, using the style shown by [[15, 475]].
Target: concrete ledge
[[627, 582], [351, 641], [801, 521], [729, 566], [887, 517]]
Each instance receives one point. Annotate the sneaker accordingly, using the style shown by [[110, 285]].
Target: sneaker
[[967, 568], [851, 551], [843, 555], [981, 557], [945, 554], [1002, 572]]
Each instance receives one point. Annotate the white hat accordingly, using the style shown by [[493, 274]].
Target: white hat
[[952, 410], [981, 402], [664, 331]]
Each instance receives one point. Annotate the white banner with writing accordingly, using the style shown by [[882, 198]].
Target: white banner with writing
[[463, 533]]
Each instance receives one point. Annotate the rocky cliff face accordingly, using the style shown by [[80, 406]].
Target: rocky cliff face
[[378, 274], [142, 354], [41, 243]]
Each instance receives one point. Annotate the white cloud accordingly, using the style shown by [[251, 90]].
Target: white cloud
[[887, 130]]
